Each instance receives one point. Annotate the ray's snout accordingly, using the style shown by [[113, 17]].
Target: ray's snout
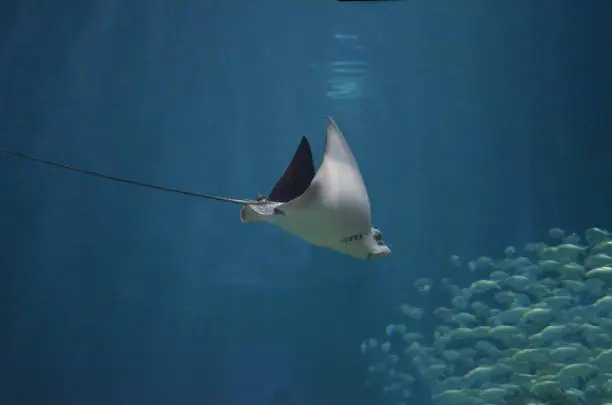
[[383, 253]]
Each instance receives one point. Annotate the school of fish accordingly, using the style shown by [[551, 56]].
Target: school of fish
[[533, 328]]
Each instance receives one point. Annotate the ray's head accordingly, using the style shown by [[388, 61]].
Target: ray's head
[[375, 245], [365, 246]]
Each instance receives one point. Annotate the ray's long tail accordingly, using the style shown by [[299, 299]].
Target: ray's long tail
[[127, 181]]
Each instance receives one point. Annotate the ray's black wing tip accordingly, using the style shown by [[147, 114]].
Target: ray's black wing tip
[[297, 177]]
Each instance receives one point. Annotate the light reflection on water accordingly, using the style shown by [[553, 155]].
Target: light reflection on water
[[348, 73]]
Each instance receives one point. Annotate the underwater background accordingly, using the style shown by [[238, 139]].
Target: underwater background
[[476, 124]]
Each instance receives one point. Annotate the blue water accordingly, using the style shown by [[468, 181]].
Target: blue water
[[476, 125]]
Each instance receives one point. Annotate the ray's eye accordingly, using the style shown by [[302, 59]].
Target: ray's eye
[[378, 237]]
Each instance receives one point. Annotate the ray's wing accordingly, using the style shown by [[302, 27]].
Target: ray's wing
[[337, 190], [297, 177], [339, 186], [337, 149]]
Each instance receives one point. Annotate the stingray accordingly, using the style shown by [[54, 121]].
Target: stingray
[[328, 208]]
